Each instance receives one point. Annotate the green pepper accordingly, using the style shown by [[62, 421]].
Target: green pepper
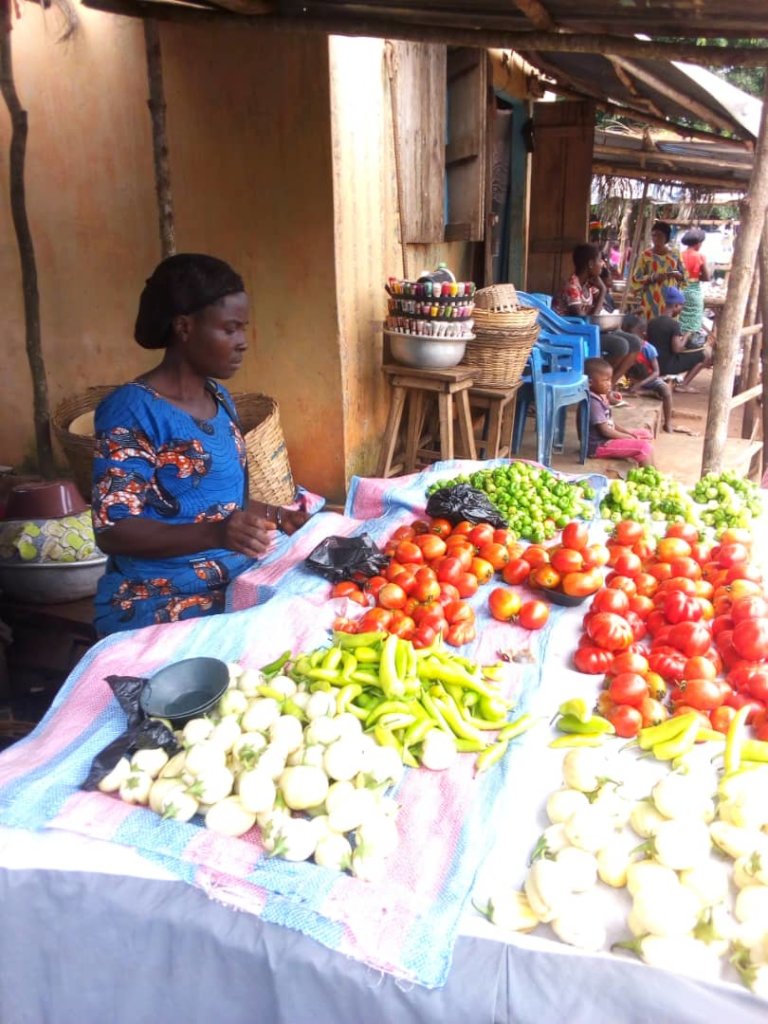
[[576, 707], [395, 720], [470, 746], [389, 680], [358, 712], [368, 700], [386, 739], [302, 666], [490, 756], [493, 707], [754, 750], [353, 640], [428, 703], [680, 744], [367, 655], [459, 727], [417, 730], [443, 673], [348, 666], [346, 695], [647, 738], [516, 728], [364, 676], [332, 659], [317, 657], [267, 691], [274, 667], [572, 740], [387, 707], [735, 739], [594, 725], [327, 675]]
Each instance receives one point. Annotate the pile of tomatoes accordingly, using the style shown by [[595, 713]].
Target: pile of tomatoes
[[434, 569], [681, 625]]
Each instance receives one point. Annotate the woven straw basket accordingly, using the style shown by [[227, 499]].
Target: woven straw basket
[[269, 472], [497, 308], [498, 360]]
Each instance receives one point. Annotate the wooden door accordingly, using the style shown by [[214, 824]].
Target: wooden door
[[560, 190]]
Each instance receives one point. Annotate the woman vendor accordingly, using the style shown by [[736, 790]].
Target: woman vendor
[[656, 268], [697, 269], [170, 488]]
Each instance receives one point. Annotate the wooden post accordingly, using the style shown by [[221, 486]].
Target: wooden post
[[390, 61], [750, 355], [752, 220], [41, 411], [763, 265], [157, 108], [635, 246]]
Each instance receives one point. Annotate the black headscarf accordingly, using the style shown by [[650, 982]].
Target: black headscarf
[[181, 284], [693, 236]]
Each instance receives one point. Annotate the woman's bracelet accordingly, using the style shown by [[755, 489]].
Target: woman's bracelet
[[279, 518]]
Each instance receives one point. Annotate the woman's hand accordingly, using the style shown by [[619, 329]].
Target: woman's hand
[[292, 519], [247, 532]]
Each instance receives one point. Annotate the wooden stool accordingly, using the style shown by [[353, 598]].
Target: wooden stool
[[498, 406], [416, 386]]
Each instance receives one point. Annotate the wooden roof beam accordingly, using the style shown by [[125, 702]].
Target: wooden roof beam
[[685, 179], [537, 14], [486, 39], [675, 158]]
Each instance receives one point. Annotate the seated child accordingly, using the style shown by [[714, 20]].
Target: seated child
[[645, 375], [606, 440]]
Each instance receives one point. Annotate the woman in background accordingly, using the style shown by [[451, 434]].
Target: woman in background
[[692, 315], [658, 266]]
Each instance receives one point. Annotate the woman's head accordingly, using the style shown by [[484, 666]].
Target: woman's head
[[634, 324], [585, 257], [661, 232], [181, 286], [693, 238]]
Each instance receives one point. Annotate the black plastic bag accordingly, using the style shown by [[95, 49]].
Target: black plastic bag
[[343, 558], [464, 502], [142, 732]]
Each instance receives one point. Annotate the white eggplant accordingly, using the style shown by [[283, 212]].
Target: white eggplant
[[752, 904], [342, 760], [684, 796], [666, 909], [580, 867], [438, 751], [750, 810], [333, 851], [320, 705], [178, 804], [257, 791], [551, 841], [350, 813], [564, 803], [547, 889], [159, 788], [680, 953], [681, 844], [613, 861], [174, 767], [272, 761], [249, 682], [295, 839], [196, 730], [643, 873], [228, 817], [323, 730], [382, 767], [377, 836], [751, 869], [645, 819], [234, 702], [262, 712], [585, 769], [350, 728], [283, 684], [114, 780], [204, 756], [708, 880], [736, 841], [301, 699], [247, 749], [235, 670], [226, 733], [303, 786], [212, 785], [589, 829], [578, 923], [286, 733], [134, 789], [151, 760], [615, 806], [512, 912], [368, 868]]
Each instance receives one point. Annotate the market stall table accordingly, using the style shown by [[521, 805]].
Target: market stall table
[[91, 922]]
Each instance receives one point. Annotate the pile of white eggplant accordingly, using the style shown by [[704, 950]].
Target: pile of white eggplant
[[307, 776], [692, 856]]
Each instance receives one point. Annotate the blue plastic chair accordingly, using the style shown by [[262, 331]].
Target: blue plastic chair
[[552, 389], [572, 327]]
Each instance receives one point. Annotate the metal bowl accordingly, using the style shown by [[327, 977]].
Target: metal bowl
[[427, 353], [185, 689], [607, 321], [51, 582]]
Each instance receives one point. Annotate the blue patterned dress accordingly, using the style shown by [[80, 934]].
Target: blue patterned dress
[[156, 461]]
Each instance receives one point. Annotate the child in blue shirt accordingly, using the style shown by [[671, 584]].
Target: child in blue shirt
[[645, 374]]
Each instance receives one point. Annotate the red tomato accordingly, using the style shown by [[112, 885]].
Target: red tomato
[[595, 555], [575, 535], [741, 700], [672, 547], [449, 569], [582, 584], [641, 606], [481, 569], [536, 555], [628, 688], [652, 711], [402, 626], [677, 607], [702, 694], [668, 662], [391, 596], [481, 534], [466, 584], [609, 631], [732, 554], [344, 625], [751, 607], [628, 532], [687, 531], [699, 667], [758, 684], [760, 725], [393, 570], [628, 564], [406, 579], [464, 552], [460, 633], [750, 638], [533, 615], [545, 576], [420, 527], [463, 528], [629, 661], [592, 660], [720, 718], [441, 527], [431, 546], [660, 570], [458, 611], [611, 600], [656, 685], [505, 537], [687, 567], [626, 720], [494, 553], [637, 625], [423, 636], [374, 584], [645, 584], [721, 623], [448, 593], [408, 551], [744, 572], [617, 582], [426, 589], [566, 560], [403, 533], [345, 588], [430, 615], [516, 571], [691, 638], [375, 620], [644, 548], [655, 622], [616, 551], [504, 604]]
